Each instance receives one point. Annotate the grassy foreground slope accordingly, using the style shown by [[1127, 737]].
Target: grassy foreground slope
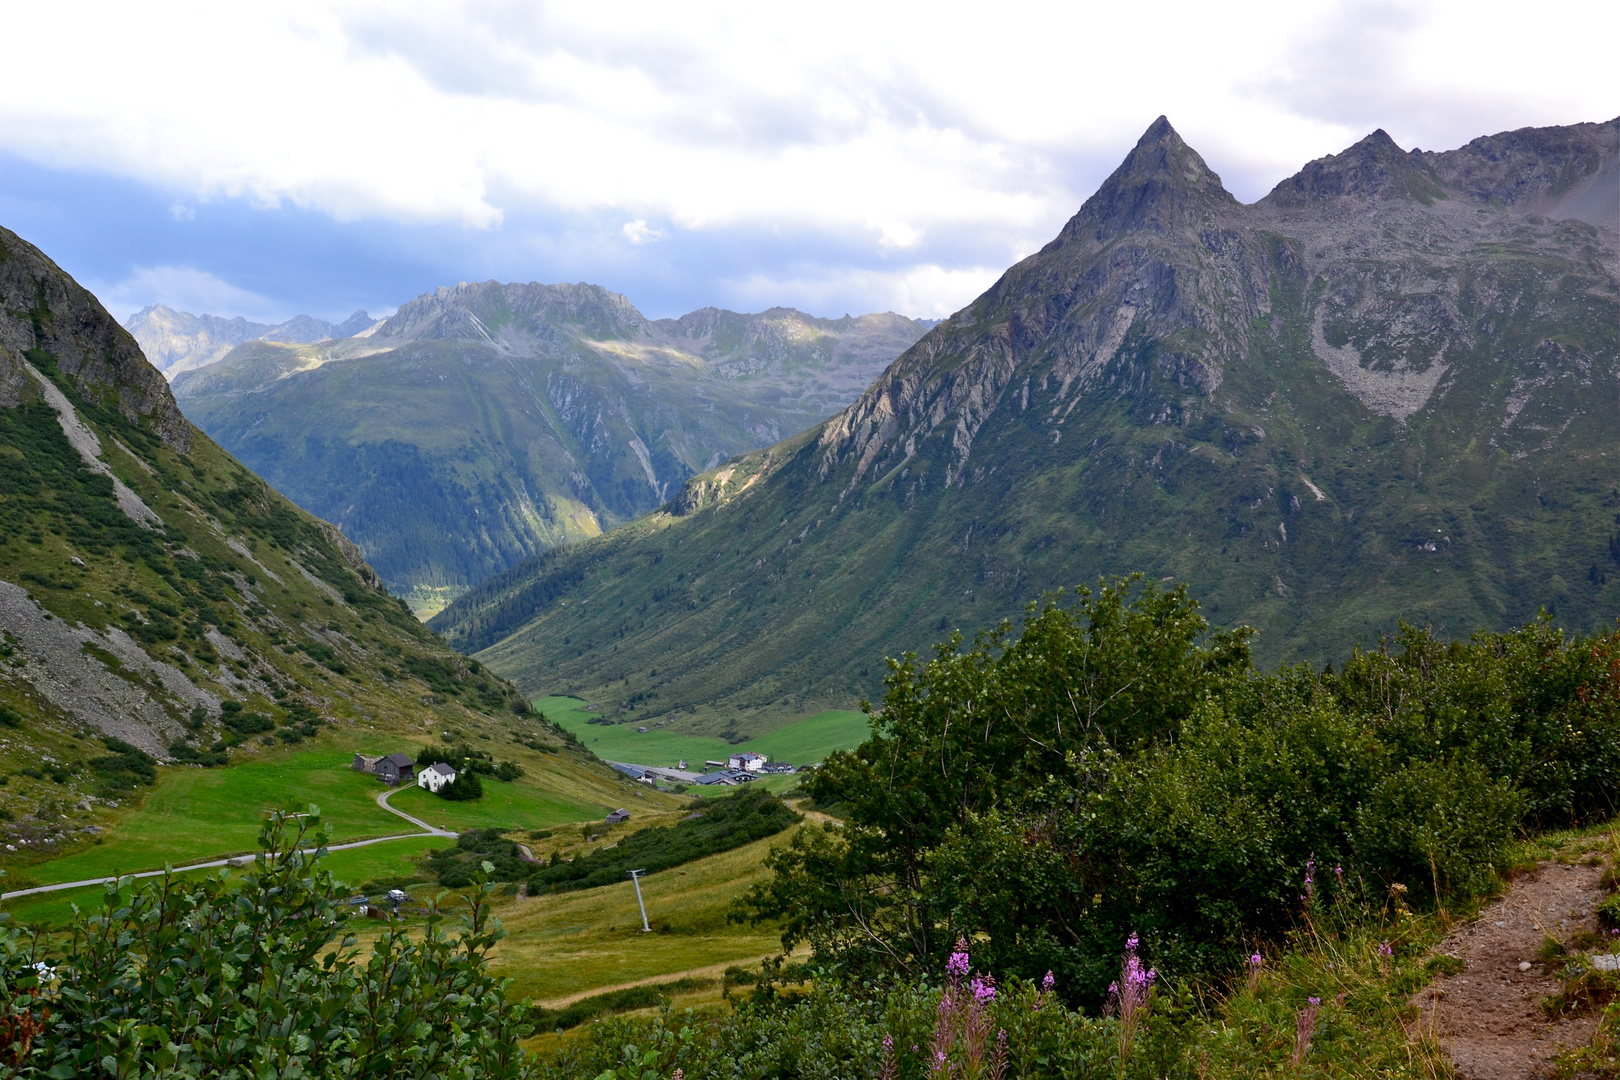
[[1388, 389]]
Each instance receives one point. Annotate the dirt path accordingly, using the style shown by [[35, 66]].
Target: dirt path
[[1489, 1016], [712, 970]]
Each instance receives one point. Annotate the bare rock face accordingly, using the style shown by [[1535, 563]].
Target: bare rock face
[[66, 322]]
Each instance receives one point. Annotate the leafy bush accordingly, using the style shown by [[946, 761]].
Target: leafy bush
[[722, 824], [125, 768], [183, 751], [254, 977], [1116, 769], [247, 723], [458, 867]]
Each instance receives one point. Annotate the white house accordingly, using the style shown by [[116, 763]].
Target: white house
[[435, 777], [748, 762]]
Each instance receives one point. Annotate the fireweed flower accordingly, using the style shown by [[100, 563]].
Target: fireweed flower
[[984, 989], [1305, 1027], [1049, 982], [957, 966], [1385, 950]]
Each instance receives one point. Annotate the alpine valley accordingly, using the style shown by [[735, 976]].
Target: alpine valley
[[160, 604], [1388, 389], [486, 423]]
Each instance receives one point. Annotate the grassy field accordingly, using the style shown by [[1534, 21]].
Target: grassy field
[[353, 867], [507, 807], [195, 814], [801, 742], [200, 813], [563, 945]]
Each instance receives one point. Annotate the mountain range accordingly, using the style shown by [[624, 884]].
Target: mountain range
[[1389, 389], [485, 423], [176, 341], [155, 593]]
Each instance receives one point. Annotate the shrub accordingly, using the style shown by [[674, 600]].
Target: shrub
[[458, 867], [466, 787], [125, 768], [247, 723]]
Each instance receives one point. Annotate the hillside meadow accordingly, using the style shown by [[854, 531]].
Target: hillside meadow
[[800, 742]]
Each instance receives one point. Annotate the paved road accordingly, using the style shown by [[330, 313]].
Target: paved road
[[382, 801], [432, 830]]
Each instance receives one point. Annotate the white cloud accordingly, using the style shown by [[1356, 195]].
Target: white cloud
[[184, 289], [925, 291], [638, 232], [909, 126]]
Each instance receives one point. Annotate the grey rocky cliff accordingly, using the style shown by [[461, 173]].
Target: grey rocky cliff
[[49, 311]]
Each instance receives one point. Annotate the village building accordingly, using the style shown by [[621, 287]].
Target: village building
[[389, 768], [726, 777], [435, 777], [749, 762]]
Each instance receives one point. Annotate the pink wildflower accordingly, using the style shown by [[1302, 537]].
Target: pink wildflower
[[1305, 1028]]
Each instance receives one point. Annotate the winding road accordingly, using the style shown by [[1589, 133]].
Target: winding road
[[237, 860]]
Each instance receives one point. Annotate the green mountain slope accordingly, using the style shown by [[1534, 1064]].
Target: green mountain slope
[[154, 591], [1390, 388], [484, 424]]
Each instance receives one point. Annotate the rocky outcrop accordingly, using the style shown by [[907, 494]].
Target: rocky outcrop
[[58, 317]]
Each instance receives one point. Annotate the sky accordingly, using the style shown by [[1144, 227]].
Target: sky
[[267, 160]]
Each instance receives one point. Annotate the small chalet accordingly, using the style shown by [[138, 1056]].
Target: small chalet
[[435, 777], [619, 815], [748, 762], [390, 769]]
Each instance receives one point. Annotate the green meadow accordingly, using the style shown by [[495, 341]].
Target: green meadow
[[200, 813], [803, 741], [505, 806], [197, 814], [564, 945], [355, 867]]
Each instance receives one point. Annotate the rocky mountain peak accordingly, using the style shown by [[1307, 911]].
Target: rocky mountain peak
[[1161, 184], [1374, 168], [490, 310]]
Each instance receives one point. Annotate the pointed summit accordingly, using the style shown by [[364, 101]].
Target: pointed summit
[[1374, 168], [1158, 186]]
